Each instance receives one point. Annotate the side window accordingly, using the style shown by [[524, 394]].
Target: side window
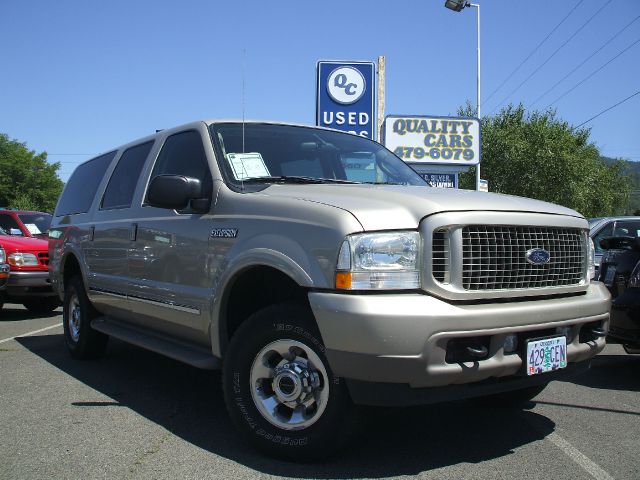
[[627, 229], [122, 183], [606, 231], [80, 190], [183, 154], [7, 222]]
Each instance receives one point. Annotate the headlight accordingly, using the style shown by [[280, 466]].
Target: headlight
[[3, 258], [379, 261], [23, 260], [591, 255]]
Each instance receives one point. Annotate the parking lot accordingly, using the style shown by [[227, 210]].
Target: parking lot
[[134, 414]]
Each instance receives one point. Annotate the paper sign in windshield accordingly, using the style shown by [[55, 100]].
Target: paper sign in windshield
[[247, 165], [33, 228]]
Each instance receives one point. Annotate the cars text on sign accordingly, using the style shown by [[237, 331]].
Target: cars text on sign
[[434, 140]]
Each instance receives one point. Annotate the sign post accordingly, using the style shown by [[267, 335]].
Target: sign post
[[346, 97]]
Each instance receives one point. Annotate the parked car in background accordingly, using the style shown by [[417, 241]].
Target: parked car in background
[[28, 281], [4, 269], [25, 223], [600, 228], [620, 272]]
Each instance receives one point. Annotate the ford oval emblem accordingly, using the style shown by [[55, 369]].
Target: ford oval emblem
[[538, 256]]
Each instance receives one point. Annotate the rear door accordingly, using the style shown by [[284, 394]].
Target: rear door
[[113, 232]]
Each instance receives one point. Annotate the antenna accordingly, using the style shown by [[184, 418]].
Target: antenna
[[244, 68]]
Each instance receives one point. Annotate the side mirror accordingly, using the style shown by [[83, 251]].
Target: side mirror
[[173, 191]]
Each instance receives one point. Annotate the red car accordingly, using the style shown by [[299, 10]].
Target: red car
[[28, 282], [25, 223]]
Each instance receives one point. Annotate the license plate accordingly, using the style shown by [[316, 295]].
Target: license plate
[[546, 355], [610, 275]]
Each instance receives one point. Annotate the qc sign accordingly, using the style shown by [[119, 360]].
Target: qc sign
[[346, 97], [433, 140]]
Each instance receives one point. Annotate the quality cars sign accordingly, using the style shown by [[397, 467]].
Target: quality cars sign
[[433, 140], [346, 97]]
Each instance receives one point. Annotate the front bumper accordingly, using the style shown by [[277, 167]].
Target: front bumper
[[28, 284], [403, 338], [4, 275]]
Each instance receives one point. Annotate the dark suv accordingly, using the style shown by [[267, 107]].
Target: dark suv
[[25, 223], [620, 272]]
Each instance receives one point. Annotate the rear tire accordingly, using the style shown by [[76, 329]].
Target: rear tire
[[42, 306], [279, 388], [82, 341]]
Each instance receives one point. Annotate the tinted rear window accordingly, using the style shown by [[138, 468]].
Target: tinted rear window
[[81, 187], [122, 183]]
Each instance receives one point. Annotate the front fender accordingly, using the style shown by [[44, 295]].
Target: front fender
[[288, 258]]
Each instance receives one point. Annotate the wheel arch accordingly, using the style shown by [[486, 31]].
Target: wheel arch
[[250, 289], [70, 266]]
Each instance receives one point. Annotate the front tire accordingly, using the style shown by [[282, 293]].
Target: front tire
[[279, 388], [82, 341]]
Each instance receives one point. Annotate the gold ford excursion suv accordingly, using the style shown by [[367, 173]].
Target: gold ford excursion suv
[[319, 272]]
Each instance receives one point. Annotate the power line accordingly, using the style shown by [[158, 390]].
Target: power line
[[592, 74], [584, 61], [552, 55], [607, 109], [532, 52]]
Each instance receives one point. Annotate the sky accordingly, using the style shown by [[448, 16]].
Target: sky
[[78, 78]]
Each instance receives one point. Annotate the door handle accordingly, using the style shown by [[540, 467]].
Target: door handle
[[133, 234]]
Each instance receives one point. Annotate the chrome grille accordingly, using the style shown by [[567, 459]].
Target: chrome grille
[[440, 256], [43, 257], [494, 257]]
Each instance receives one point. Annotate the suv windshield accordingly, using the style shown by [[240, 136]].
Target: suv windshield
[[36, 223], [265, 153]]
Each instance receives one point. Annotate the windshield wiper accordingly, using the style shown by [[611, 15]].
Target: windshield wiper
[[294, 179], [383, 183]]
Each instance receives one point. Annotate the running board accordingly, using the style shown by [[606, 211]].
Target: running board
[[195, 356]]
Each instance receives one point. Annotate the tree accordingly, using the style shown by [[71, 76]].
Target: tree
[[540, 156], [27, 180]]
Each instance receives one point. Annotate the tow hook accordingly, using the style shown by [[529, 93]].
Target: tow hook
[[478, 352]]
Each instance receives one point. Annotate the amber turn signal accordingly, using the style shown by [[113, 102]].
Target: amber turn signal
[[343, 280]]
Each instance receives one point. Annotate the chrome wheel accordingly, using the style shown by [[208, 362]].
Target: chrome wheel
[[289, 384], [75, 317]]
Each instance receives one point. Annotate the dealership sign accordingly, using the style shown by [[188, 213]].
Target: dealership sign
[[433, 140], [440, 180], [345, 97]]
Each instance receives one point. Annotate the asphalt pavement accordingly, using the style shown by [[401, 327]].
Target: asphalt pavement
[[134, 414]]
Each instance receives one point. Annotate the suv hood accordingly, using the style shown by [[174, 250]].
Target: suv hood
[[390, 207], [23, 244]]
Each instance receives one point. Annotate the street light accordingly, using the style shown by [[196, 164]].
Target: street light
[[458, 6], [455, 5]]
